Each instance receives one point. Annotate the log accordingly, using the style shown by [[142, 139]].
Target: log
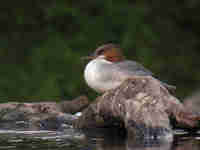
[[40, 115], [192, 102], [142, 106]]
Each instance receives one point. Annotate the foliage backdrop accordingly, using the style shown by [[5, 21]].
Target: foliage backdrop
[[41, 43]]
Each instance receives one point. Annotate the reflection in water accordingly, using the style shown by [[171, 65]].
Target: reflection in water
[[96, 140], [40, 140], [113, 142], [186, 143], [148, 145]]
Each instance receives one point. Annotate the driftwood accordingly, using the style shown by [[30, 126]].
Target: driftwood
[[41, 115], [142, 106], [192, 102]]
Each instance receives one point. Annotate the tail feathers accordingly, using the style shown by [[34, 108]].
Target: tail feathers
[[169, 87]]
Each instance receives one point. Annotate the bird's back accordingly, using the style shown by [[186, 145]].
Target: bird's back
[[128, 69], [133, 68]]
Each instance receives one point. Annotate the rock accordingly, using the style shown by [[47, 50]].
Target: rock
[[142, 106]]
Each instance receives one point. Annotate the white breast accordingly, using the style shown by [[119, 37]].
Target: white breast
[[98, 75]]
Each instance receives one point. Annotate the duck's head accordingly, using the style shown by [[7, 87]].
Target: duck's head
[[110, 52]]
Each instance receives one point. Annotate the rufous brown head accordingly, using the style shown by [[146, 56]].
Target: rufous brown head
[[110, 52]]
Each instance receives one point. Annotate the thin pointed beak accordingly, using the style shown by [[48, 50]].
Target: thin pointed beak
[[87, 57], [90, 57]]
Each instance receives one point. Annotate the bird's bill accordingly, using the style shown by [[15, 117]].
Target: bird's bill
[[87, 57]]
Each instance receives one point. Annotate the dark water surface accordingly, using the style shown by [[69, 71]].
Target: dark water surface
[[75, 140]]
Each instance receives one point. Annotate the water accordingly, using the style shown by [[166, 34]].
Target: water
[[76, 140]]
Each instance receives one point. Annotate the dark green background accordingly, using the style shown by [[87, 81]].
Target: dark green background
[[41, 42]]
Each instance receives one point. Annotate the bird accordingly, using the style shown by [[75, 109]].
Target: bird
[[108, 68]]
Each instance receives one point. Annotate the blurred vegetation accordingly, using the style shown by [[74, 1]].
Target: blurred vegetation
[[41, 43]]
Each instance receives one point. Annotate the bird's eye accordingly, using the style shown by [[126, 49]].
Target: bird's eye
[[100, 52]]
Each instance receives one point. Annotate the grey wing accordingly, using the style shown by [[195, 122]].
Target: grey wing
[[134, 68], [131, 68]]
